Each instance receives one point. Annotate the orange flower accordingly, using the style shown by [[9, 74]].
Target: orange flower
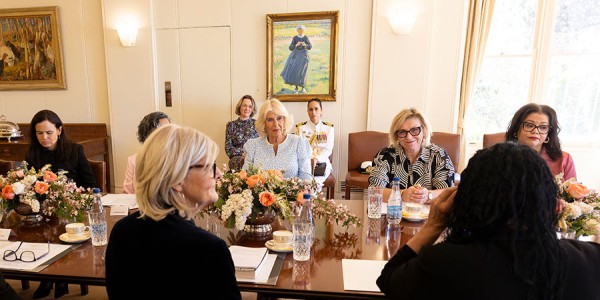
[[276, 173], [49, 176], [267, 198], [41, 187], [300, 197], [577, 190], [243, 175], [7, 192], [253, 180]]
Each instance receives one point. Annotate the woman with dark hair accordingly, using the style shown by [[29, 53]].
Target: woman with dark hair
[[537, 126], [50, 145], [500, 240], [239, 131], [148, 124]]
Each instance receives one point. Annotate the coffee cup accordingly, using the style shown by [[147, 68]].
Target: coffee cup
[[76, 229], [413, 208], [282, 238]]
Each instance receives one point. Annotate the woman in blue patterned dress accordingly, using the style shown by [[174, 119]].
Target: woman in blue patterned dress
[[424, 169], [275, 149], [239, 131], [296, 65]]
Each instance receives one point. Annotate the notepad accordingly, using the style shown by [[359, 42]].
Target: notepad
[[247, 260], [361, 275]]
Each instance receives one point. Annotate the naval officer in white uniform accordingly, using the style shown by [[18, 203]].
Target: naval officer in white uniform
[[320, 135]]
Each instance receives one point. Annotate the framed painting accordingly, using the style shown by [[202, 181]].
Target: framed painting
[[302, 55], [30, 49]]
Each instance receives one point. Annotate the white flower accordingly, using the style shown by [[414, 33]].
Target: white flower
[[18, 188], [572, 211], [29, 180], [592, 227], [585, 208]]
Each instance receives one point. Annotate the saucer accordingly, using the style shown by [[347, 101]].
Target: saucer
[[415, 218], [271, 246], [65, 237]]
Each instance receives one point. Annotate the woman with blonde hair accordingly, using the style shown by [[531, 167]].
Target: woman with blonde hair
[[423, 168], [176, 177], [275, 148]]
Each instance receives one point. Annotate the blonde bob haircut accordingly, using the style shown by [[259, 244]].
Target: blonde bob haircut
[[275, 106], [164, 162], [399, 120], [239, 105]]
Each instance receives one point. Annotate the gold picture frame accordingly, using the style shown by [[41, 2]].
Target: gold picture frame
[[302, 65], [31, 49]]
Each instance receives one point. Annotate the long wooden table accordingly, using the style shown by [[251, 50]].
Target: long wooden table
[[320, 277]]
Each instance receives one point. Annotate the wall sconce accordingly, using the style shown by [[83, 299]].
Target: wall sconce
[[127, 34], [402, 20]]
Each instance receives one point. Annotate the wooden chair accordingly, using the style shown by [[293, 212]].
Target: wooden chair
[[362, 146], [99, 169], [491, 139], [450, 142]]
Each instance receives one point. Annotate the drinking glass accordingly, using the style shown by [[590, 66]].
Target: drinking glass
[[374, 199], [99, 228], [565, 233]]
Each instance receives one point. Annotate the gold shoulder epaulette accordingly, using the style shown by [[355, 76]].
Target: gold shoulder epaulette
[[328, 124], [301, 124]]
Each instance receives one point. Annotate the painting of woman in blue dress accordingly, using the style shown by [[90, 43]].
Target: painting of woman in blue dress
[[296, 65]]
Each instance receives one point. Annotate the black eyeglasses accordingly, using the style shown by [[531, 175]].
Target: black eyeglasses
[[413, 131], [25, 256], [530, 127], [214, 168]]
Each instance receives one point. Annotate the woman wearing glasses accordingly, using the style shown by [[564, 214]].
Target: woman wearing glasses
[[537, 126], [151, 252], [423, 168]]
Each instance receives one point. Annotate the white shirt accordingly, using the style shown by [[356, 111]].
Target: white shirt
[[320, 137]]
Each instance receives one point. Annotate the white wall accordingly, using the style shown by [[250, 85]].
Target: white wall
[[85, 99]]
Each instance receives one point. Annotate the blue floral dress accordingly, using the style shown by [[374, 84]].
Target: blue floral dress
[[236, 134]]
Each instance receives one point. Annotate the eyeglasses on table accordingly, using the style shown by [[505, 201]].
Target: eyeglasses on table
[[24, 256]]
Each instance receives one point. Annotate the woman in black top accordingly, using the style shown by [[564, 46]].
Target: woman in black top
[[500, 241], [50, 145]]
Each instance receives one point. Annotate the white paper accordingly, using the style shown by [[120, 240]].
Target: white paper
[[119, 210], [247, 257], [37, 248], [361, 275], [120, 199], [264, 271], [5, 234]]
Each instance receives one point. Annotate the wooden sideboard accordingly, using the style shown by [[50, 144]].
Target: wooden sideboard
[[92, 136]]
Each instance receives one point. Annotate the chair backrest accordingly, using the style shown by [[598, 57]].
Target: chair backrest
[[7, 165], [364, 145], [99, 170], [491, 139], [450, 142]]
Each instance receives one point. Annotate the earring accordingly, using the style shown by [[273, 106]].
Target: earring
[[546, 140], [515, 134]]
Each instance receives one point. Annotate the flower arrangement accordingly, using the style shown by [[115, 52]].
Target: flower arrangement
[[578, 207], [43, 191], [250, 194]]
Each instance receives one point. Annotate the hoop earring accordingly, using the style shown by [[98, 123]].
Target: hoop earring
[[546, 140]]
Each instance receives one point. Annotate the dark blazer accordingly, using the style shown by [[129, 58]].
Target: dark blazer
[[168, 259], [481, 270], [77, 166]]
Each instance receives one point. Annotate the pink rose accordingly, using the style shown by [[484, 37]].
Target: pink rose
[[577, 190]]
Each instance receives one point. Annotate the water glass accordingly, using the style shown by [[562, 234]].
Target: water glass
[[302, 240], [565, 233], [99, 228], [374, 199]]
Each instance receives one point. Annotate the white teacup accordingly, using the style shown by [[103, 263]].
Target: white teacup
[[76, 229], [413, 208], [282, 238]]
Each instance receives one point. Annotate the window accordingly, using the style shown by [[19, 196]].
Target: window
[[541, 51]]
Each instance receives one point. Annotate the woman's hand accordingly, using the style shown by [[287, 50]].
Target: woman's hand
[[436, 222], [416, 193]]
